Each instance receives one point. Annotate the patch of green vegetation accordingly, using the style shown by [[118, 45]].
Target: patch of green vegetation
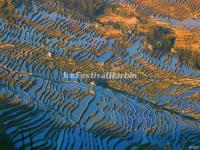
[[6, 6], [91, 8], [118, 10], [160, 38]]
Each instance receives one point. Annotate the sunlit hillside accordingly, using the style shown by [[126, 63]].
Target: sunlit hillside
[[99, 74]]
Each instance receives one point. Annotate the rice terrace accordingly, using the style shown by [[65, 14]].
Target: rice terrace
[[99, 74]]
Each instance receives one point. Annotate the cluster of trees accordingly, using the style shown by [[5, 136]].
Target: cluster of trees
[[6, 5], [160, 38], [89, 7], [117, 9], [6, 8]]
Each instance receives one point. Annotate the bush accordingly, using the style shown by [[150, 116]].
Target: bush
[[88, 7], [6, 5], [160, 38]]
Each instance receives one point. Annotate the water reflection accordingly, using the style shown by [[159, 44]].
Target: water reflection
[[39, 109]]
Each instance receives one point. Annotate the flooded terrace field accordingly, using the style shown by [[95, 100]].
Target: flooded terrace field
[[42, 40]]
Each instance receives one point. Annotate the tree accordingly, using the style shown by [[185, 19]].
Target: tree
[[160, 38], [88, 7]]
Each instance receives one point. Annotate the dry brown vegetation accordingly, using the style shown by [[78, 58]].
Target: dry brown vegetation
[[187, 39], [175, 10], [5, 45]]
